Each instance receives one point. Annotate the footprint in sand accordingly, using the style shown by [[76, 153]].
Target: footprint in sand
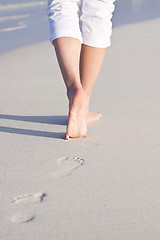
[[24, 207], [37, 197], [66, 165], [22, 218]]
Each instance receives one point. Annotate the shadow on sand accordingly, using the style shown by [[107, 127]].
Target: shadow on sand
[[55, 120]]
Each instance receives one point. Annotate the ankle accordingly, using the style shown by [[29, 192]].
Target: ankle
[[88, 102], [71, 90]]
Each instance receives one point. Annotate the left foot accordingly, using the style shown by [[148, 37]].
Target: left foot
[[77, 126]]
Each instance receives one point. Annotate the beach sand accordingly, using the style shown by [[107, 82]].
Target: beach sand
[[103, 187]]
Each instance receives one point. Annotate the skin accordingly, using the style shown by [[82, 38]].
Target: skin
[[80, 71]]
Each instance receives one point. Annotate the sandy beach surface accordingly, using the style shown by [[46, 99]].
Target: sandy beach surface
[[103, 187]]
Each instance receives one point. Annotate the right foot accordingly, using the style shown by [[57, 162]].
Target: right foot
[[77, 126], [92, 116]]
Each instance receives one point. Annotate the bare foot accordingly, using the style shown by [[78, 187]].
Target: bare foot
[[77, 126], [92, 116]]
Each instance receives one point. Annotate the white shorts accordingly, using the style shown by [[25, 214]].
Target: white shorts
[[87, 20]]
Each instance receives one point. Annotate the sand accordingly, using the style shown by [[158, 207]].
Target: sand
[[103, 187]]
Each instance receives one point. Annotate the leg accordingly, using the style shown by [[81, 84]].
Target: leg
[[69, 65], [66, 37], [91, 60], [96, 30]]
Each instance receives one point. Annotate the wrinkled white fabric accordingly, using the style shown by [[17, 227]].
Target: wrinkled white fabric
[[87, 20]]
